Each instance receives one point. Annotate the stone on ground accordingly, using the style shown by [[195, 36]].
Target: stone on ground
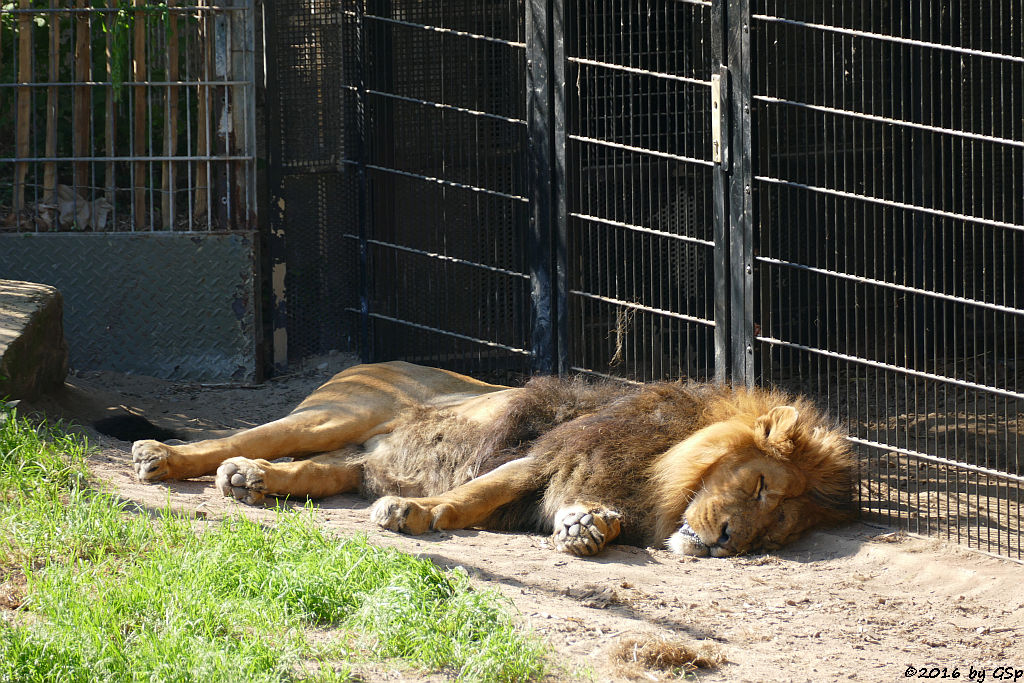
[[33, 352]]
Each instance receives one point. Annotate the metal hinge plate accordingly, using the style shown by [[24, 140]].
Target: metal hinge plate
[[719, 148]]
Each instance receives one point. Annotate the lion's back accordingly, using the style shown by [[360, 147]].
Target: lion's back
[[432, 450]]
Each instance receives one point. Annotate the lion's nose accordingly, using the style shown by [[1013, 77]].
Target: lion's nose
[[723, 539]]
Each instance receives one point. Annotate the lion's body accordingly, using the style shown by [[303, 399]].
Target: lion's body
[[707, 469]]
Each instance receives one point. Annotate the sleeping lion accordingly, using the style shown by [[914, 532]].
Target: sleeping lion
[[701, 469]]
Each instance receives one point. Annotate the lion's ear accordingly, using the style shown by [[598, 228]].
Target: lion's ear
[[775, 431]]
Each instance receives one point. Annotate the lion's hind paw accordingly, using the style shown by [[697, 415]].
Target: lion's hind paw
[[242, 479], [583, 530]]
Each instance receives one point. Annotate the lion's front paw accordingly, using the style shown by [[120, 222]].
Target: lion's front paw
[[582, 530], [242, 479], [407, 515], [150, 460], [686, 541]]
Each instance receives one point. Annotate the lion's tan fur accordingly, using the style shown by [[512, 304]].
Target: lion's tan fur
[[446, 451]]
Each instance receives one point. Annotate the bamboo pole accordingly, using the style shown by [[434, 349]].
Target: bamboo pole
[[170, 120], [109, 124], [220, 98], [50, 167], [202, 115], [139, 105], [24, 114], [82, 105]]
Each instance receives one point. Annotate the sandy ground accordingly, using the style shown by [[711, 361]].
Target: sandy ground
[[857, 603]]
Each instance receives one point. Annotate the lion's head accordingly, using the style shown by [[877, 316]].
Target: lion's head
[[754, 480]]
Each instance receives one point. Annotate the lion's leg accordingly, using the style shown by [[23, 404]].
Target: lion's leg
[[300, 433], [584, 528], [250, 481], [356, 404], [464, 506]]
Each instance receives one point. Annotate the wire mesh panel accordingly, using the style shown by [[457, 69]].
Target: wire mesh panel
[[315, 197], [640, 245], [127, 116], [889, 190], [442, 94], [398, 168]]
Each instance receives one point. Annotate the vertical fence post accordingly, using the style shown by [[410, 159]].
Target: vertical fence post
[[720, 196], [109, 179], [222, 104], [546, 239], [276, 248], [740, 194], [559, 183], [50, 167], [201, 205], [82, 109]]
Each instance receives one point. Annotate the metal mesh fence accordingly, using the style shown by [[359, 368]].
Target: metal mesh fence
[[400, 172], [314, 271], [443, 96], [127, 116], [889, 188], [640, 255]]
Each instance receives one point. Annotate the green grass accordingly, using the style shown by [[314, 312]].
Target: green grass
[[114, 595]]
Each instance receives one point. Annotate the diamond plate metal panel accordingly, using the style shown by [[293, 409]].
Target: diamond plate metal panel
[[170, 305]]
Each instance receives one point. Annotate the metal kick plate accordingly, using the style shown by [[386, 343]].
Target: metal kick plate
[[166, 304]]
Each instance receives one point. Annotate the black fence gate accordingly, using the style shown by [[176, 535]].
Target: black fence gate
[[402, 180], [824, 196]]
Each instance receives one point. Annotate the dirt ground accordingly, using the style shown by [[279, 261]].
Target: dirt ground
[[857, 603]]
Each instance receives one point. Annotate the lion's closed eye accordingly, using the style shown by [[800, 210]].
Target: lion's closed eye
[[759, 490]]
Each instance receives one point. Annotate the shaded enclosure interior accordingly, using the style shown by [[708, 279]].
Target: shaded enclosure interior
[[409, 181], [639, 188], [889, 188]]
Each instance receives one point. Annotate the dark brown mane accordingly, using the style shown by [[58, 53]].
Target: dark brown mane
[[616, 447], [541, 405]]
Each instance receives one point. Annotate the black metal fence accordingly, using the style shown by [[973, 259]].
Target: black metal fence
[[825, 196], [888, 183], [640, 197], [404, 148]]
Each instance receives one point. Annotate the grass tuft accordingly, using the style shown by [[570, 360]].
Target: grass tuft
[[652, 657], [35, 458]]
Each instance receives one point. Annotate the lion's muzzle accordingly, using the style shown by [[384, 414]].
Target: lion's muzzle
[[686, 541]]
